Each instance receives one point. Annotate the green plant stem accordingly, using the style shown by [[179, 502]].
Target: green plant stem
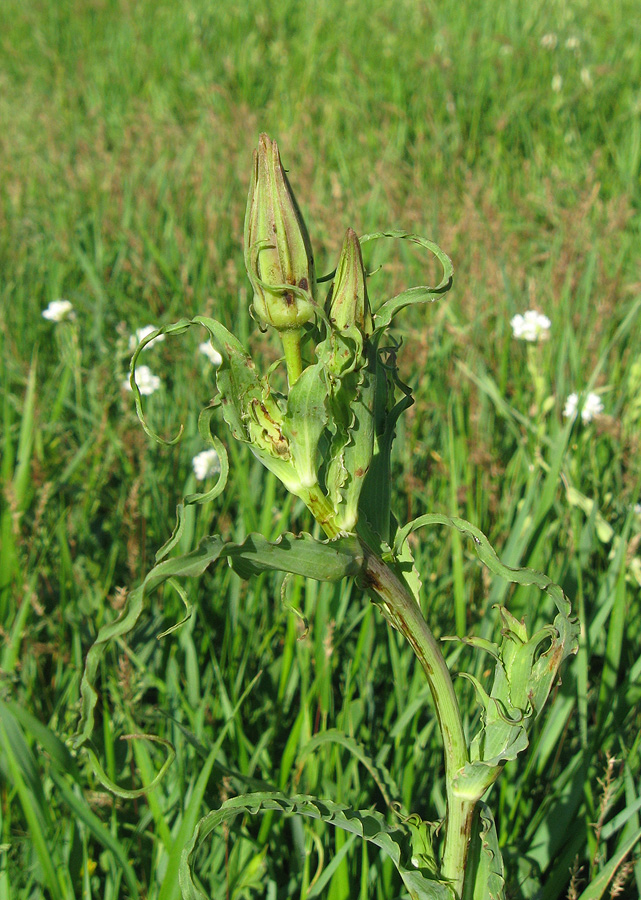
[[402, 610], [291, 339], [321, 509], [404, 613]]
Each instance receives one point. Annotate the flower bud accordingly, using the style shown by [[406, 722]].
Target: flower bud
[[347, 303], [278, 253]]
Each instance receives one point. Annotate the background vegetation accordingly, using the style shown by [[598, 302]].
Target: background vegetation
[[126, 131]]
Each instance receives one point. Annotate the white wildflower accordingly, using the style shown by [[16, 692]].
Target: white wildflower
[[58, 310], [211, 353], [140, 334], [572, 43], [557, 84], [549, 41], [637, 509], [531, 326], [586, 78], [591, 407], [145, 379], [206, 464]]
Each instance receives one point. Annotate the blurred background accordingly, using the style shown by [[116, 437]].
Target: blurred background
[[509, 133]]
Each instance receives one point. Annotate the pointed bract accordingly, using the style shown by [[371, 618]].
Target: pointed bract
[[347, 303], [278, 253]]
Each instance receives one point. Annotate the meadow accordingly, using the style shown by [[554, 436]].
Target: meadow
[[509, 133]]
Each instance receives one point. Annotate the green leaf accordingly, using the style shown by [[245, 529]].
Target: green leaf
[[351, 405], [22, 773], [305, 420], [249, 405], [375, 501], [526, 667], [597, 887], [236, 376], [420, 294], [176, 328], [381, 775], [485, 860], [487, 555], [394, 840], [297, 554]]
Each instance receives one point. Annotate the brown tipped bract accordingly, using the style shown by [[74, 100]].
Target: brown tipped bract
[[278, 253]]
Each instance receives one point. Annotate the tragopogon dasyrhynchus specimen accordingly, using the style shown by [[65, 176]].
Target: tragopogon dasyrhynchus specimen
[[328, 438]]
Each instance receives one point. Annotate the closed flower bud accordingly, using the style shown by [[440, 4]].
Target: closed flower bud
[[347, 303], [278, 253]]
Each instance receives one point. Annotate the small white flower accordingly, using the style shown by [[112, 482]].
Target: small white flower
[[549, 41], [211, 353], [592, 407], [206, 464], [58, 310], [145, 379], [531, 326], [557, 84], [637, 509], [569, 410], [140, 334], [586, 78], [572, 43]]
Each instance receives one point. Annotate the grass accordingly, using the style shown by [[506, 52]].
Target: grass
[[125, 133]]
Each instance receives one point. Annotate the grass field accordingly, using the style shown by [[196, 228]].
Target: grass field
[[508, 132]]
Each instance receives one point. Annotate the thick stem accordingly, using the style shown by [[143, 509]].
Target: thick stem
[[321, 509], [458, 833], [291, 338], [405, 614]]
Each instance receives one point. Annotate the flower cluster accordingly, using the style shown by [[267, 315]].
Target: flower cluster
[[592, 407], [533, 326], [58, 311], [530, 326]]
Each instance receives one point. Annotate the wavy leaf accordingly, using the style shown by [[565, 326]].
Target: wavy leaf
[[419, 294], [487, 555], [298, 554], [526, 668], [485, 860], [394, 840], [381, 775]]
